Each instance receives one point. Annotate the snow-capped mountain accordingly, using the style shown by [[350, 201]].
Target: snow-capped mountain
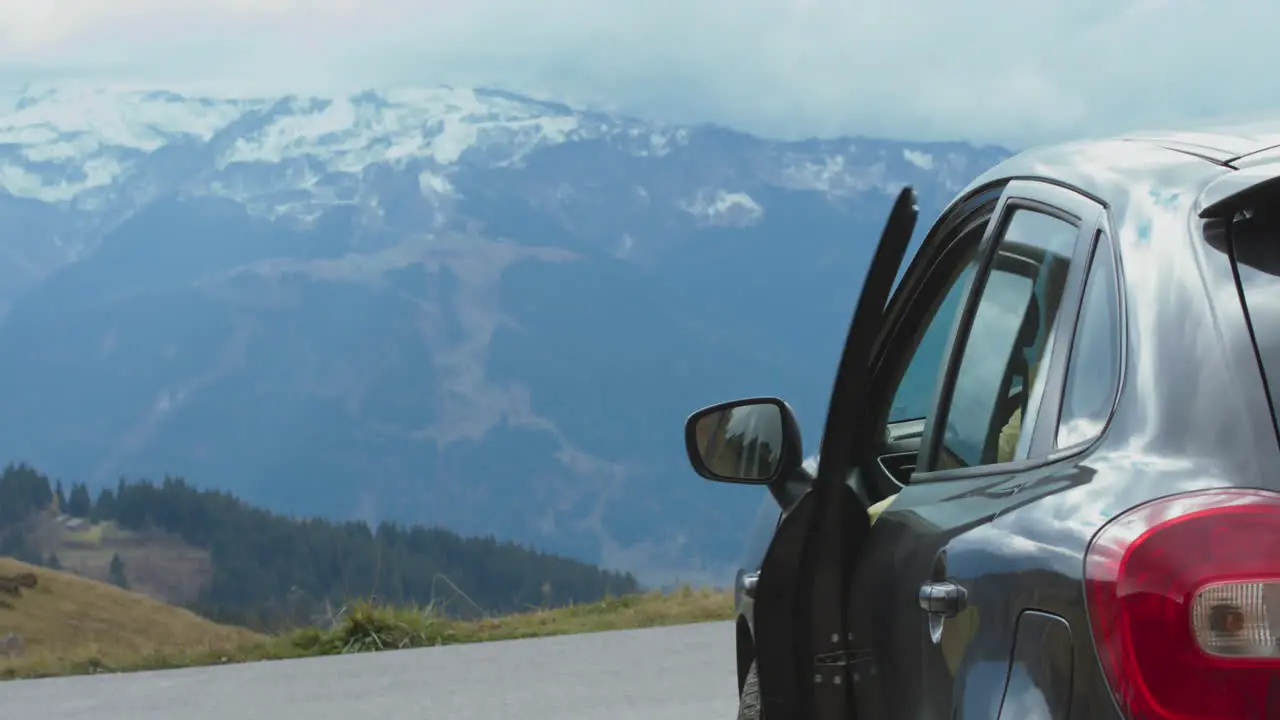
[[442, 305]]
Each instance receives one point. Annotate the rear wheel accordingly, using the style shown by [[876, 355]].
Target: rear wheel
[[749, 702]]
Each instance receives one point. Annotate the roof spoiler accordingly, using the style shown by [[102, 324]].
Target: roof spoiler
[[1233, 191]]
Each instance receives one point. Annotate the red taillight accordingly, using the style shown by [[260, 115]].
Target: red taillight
[[1184, 602]]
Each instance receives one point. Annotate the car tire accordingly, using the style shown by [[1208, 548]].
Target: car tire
[[749, 701]]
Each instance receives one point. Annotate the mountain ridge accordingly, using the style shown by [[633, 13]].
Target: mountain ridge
[[429, 305]]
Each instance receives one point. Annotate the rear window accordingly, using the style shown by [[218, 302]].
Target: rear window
[[1256, 245]]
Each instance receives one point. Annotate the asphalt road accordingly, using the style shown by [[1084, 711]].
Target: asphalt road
[[678, 673]]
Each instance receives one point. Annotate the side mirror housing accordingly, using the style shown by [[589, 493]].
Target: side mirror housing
[[753, 441]]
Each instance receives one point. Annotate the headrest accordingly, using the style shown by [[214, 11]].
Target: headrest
[[1030, 323]]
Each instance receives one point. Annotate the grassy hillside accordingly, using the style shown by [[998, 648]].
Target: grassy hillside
[[69, 620], [238, 564], [71, 625]]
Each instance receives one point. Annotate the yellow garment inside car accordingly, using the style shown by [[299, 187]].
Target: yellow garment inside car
[[1007, 446], [874, 511], [1009, 434]]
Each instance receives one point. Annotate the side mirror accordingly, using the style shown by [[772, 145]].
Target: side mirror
[[754, 441]]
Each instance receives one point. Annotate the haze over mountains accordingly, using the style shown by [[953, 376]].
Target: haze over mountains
[[448, 306]]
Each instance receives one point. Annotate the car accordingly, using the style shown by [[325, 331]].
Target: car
[[1048, 484]]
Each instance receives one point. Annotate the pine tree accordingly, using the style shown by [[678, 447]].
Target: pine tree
[[53, 563], [115, 574], [79, 504], [105, 507], [61, 498]]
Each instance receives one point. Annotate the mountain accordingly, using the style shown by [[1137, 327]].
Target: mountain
[[449, 306]]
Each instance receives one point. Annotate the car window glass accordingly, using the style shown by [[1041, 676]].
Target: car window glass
[[1011, 334], [914, 397], [1093, 368]]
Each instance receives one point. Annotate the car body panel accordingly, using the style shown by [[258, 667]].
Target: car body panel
[[1040, 671], [1192, 412]]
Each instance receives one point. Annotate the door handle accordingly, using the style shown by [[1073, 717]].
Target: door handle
[[944, 598], [749, 583]]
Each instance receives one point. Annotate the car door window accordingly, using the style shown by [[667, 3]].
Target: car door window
[[1093, 370], [913, 398], [995, 392]]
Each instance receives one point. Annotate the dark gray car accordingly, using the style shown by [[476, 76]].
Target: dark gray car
[[1066, 404]]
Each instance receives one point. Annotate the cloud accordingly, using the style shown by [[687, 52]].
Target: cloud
[[983, 70]]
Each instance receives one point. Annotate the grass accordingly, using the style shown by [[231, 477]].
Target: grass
[[74, 626], [67, 621]]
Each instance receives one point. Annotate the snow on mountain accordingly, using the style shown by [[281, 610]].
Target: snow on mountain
[[105, 133], [61, 145]]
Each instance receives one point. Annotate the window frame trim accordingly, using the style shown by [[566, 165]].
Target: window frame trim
[[1102, 242], [903, 330], [1087, 215], [981, 206]]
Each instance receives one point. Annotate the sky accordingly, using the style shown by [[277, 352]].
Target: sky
[[984, 71]]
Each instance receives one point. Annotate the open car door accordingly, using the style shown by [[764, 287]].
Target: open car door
[[802, 637]]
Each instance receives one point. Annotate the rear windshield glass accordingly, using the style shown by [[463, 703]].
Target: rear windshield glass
[[1256, 244]]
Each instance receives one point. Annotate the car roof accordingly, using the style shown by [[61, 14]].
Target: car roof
[[1111, 168], [1224, 143], [1224, 138]]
